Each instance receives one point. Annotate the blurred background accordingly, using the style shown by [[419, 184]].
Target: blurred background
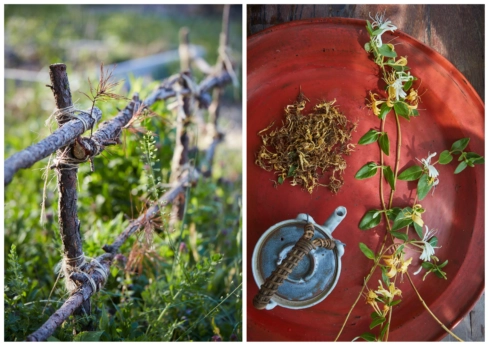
[[147, 299]]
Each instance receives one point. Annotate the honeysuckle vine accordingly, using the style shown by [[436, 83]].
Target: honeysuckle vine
[[405, 226]]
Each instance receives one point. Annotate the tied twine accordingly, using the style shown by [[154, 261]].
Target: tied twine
[[63, 115], [67, 266]]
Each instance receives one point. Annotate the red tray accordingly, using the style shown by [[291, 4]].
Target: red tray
[[326, 58]]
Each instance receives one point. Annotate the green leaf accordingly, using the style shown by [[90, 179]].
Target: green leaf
[[52, 338], [280, 180], [414, 112], [384, 110], [367, 46], [369, 28], [408, 85], [401, 220], [401, 108], [433, 241], [370, 220], [88, 336], [439, 273], [367, 337], [367, 171], [366, 251], [389, 176], [400, 235], [445, 157], [410, 174], [384, 143], [395, 302], [370, 137], [387, 51], [377, 32], [418, 229], [460, 145], [475, 158], [443, 264], [104, 320], [392, 213], [384, 330], [427, 265], [376, 322], [291, 172], [461, 166], [424, 186]]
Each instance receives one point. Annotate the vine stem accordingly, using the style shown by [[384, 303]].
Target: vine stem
[[428, 309]]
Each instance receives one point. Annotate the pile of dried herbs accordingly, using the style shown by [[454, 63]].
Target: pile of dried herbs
[[307, 146]]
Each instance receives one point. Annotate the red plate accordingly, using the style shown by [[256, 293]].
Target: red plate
[[326, 57]]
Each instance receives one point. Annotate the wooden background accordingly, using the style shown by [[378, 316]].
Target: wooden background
[[454, 31]]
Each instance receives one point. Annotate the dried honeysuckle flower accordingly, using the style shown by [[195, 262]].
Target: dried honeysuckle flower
[[307, 146]]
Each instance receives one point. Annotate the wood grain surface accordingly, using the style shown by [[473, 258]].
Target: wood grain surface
[[454, 31]]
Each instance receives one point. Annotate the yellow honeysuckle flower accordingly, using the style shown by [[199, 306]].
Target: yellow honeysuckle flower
[[391, 262], [374, 103], [401, 62], [371, 298], [404, 267], [391, 293]]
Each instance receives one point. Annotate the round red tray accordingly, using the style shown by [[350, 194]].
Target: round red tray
[[326, 58]]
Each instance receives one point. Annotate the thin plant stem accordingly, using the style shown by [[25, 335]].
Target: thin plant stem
[[430, 312], [398, 158]]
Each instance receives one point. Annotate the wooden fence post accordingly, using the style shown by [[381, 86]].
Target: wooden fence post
[[69, 224]]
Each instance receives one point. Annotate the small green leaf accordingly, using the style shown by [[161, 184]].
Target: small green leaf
[[384, 110], [367, 171], [370, 137], [395, 302], [424, 186], [376, 322], [400, 235], [461, 166], [462, 157], [401, 220], [439, 273], [443, 264], [433, 241], [392, 213], [427, 265], [460, 145], [370, 220], [408, 85], [384, 330], [475, 158], [367, 337], [401, 108], [418, 229], [445, 157], [399, 249], [389, 176], [52, 338], [367, 46], [384, 143], [280, 180], [410, 174], [369, 28], [104, 320], [414, 112], [366, 251], [386, 50], [291, 172]]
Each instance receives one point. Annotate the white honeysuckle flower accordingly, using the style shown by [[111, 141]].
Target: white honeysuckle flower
[[380, 22], [432, 171], [428, 249], [398, 87]]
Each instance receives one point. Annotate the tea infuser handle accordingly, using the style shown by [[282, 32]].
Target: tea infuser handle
[[303, 246]]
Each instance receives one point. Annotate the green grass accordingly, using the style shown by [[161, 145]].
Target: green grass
[[189, 283]]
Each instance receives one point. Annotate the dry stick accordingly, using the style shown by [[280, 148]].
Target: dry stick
[[430, 312], [85, 291], [214, 108], [58, 139], [69, 225]]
